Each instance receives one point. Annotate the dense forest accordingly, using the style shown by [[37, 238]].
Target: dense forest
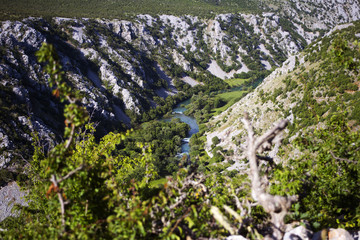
[[121, 9]]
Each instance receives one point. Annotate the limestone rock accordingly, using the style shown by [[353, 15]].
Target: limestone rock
[[339, 234], [235, 237], [298, 233], [10, 195], [333, 234]]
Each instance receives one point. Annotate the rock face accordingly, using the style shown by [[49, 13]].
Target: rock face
[[320, 14], [298, 233], [302, 233], [10, 195], [339, 234]]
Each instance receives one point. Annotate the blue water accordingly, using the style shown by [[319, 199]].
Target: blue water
[[178, 112]]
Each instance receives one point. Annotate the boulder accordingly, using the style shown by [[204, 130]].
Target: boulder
[[298, 233], [339, 234], [333, 234], [235, 237]]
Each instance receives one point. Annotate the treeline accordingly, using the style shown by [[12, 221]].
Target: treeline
[[120, 8]]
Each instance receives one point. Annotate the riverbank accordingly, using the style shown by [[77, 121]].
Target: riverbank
[[178, 112]]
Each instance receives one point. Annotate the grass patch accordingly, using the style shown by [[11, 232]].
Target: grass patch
[[230, 98]]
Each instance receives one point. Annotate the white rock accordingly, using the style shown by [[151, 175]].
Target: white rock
[[10, 195], [298, 233], [235, 237]]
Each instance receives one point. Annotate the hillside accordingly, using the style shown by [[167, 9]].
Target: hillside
[[316, 158], [125, 68], [306, 89]]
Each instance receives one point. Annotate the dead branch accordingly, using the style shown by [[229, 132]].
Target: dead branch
[[179, 220], [61, 200], [69, 141], [71, 173], [276, 206], [341, 159], [188, 182]]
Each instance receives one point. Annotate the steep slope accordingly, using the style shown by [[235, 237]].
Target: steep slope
[[318, 14], [307, 90]]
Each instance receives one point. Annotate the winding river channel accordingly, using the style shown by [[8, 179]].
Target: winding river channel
[[178, 112]]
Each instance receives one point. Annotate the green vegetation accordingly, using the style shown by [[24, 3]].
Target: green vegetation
[[19, 9], [326, 177], [201, 105], [84, 189], [235, 82], [205, 105], [327, 173], [165, 141], [229, 98], [131, 185]]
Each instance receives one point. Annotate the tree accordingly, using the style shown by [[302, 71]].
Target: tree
[[326, 176]]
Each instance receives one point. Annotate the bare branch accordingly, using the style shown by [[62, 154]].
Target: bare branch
[[61, 199], [341, 159], [69, 141], [71, 173], [178, 201], [179, 220], [187, 183], [276, 206], [271, 134]]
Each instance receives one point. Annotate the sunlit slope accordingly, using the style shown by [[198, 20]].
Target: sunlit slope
[[308, 89]]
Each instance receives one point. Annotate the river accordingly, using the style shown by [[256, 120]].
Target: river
[[178, 112]]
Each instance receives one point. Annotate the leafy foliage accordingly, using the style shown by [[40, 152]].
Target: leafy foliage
[[165, 138], [92, 193], [326, 176], [326, 173]]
